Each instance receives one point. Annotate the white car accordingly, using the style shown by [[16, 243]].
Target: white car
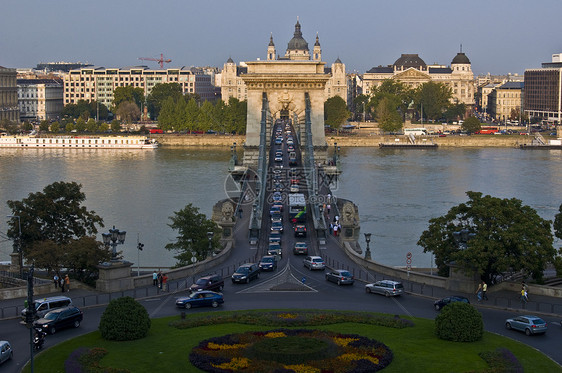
[[385, 287], [6, 352], [314, 262]]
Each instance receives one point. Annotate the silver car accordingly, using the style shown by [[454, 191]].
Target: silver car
[[6, 352], [314, 262], [527, 323], [340, 277], [385, 287]]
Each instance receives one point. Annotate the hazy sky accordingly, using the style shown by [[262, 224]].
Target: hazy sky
[[499, 36]]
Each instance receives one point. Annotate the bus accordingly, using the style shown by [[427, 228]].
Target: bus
[[156, 130], [488, 130], [297, 208], [415, 131]]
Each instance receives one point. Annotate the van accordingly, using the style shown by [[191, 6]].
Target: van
[[42, 306]]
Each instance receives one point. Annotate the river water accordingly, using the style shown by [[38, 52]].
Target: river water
[[397, 190]]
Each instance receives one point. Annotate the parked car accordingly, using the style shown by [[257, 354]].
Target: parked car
[[314, 262], [444, 301], [300, 230], [44, 305], [340, 277], [268, 263], [300, 248], [385, 287], [60, 318], [209, 282], [527, 323], [203, 298], [6, 352], [246, 273]]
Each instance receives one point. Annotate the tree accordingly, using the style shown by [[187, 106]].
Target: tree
[[80, 125], [159, 94], [55, 226], [192, 240], [508, 237], [69, 127], [115, 126], [335, 112], [360, 107], [235, 116], [27, 126], [128, 93], [44, 126], [435, 99], [558, 223], [400, 93], [471, 125], [91, 125], [128, 111], [387, 114], [104, 127], [54, 127]]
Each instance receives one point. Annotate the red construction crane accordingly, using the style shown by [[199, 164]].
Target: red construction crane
[[160, 60]]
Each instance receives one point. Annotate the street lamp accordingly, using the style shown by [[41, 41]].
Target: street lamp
[[19, 250], [210, 237], [368, 249], [113, 238]]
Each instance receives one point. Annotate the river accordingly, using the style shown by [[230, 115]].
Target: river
[[397, 190]]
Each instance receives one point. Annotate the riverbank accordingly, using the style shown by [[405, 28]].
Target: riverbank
[[504, 141]]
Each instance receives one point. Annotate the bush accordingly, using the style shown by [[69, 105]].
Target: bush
[[459, 322], [124, 319]]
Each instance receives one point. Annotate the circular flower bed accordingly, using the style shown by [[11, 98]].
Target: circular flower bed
[[286, 350]]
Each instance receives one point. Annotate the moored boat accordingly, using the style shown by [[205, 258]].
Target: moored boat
[[78, 142]]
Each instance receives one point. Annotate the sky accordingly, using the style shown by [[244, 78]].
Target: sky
[[498, 36]]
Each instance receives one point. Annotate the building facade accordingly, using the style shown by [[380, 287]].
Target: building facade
[[233, 85], [98, 83], [411, 70], [543, 91], [9, 95], [40, 99], [505, 101]]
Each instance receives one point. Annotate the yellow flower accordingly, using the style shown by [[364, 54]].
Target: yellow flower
[[275, 335], [354, 356], [236, 363], [215, 346], [288, 316], [303, 368], [344, 341]]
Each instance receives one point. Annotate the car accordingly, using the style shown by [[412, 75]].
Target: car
[[6, 352], [60, 318], [278, 158], [294, 188], [274, 209], [274, 248], [246, 273], [268, 263], [314, 262], [300, 248], [300, 230], [439, 304], [290, 148], [527, 323], [209, 282], [340, 277], [276, 217], [203, 298], [44, 305], [275, 236], [277, 196], [278, 140], [385, 287], [277, 226]]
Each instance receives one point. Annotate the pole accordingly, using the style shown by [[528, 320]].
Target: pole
[[138, 255]]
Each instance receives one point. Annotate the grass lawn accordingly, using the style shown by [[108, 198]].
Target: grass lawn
[[415, 349]]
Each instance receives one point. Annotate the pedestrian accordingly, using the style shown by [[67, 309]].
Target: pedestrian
[[484, 290], [154, 278], [165, 282], [56, 280], [328, 207], [479, 292], [329, 197], [61, 281], [159, 280], [524, 286], [67, 282], [331, 227], [335, 230], [523, 297]]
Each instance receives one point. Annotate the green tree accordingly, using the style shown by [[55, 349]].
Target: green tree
[[80, 125], [387, 114], [128, 93], [508, 237], [44, 126], [167, 112], [159, 94], [192, 240], [27, 126], [360, 107], [455, 112], [104, 127], [190, 115], [128, 112], [335, 112], [53, 217], [54, 127], [471, 125], [558, 223], [91, 125], [435, 98], [115, 126], [397, 91], [206, 117], [69, 127]]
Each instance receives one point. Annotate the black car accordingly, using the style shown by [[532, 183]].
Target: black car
[[60, 318], [447, 300], [209, 282], [300, 230], [268, 263], [246, 273]]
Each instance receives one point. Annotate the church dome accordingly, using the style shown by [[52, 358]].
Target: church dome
[[297, 42], [410, 60], [230, 60], [460, 58]]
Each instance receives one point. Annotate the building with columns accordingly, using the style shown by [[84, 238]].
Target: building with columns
[[40, 99], [233, 85], [9, 95], [411, 70]]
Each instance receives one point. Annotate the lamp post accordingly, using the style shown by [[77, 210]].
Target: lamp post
[[113, 238], [140, 246], [368, 249], [210, 237], [19, 250]]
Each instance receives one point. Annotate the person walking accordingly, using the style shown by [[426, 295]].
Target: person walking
[[61, 284], [154, 278], [56, 280], [67, 282], [159, 280], [328, 207], [523, 297], [484, 290], [479, 292], [165, 282]]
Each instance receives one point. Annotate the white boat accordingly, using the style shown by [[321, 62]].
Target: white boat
[[78, 142]]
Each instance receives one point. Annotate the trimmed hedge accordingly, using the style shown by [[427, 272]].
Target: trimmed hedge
[[124, 319], [459, 322]]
